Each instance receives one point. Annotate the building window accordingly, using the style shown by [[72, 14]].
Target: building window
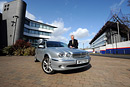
[[47, 27], [32, 24], [44, 27], [26, 30], [27, 22], [41, 26], [40, 33], [37, 25], [36, 32], [6, 7], [33, 32], [51, 28]]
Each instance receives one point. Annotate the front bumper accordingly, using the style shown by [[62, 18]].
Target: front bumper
[[61, 64]]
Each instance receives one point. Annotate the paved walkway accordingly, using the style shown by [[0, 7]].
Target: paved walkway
[[21, 71]]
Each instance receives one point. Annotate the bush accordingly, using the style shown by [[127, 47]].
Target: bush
[[29, 51], [19, 52], [21, 44], [20, 48], [8, 50]]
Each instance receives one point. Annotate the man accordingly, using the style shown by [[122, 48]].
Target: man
[[73, 43]]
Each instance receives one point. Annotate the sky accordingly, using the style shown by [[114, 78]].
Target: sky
[[81, 18]]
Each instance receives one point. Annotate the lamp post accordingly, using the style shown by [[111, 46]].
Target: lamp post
[[118, 32], [116, 44], [114, 34], [83, 46], [14, 22], [118, 35]]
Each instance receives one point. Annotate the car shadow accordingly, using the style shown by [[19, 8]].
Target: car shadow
[[75, 70]]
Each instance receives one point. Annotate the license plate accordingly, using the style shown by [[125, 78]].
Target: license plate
[[82, 61]]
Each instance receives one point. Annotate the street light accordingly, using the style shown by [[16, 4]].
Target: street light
[[83, 46], [118, 31], [113, 33]]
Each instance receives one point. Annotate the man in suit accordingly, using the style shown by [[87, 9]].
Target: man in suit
[[73, 43]]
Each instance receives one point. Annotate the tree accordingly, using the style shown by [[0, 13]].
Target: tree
[[126, 20]]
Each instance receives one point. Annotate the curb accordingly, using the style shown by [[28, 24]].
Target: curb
[[114, 56]]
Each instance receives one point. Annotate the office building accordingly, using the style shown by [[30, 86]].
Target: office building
[[112, 38], [34, 31], [16, 26]]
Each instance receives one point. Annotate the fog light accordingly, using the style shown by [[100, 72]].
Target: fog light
[[61, 66]]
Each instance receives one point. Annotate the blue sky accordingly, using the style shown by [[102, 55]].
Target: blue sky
[[82, 18]]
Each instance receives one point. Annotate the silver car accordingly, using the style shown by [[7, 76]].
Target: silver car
[[56, 56]]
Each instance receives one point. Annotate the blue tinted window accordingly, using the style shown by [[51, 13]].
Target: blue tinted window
[[56, 44], [37, 25]]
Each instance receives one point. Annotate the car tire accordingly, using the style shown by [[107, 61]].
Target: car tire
[[46, 66]]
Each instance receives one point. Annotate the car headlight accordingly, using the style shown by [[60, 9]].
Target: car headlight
[[61, 55], [68, 55]]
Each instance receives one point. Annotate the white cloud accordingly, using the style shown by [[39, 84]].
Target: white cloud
[[59, 38], [85, 41], [1, 5], [40, 21], [60, 27], [80, 33], [59, 31]]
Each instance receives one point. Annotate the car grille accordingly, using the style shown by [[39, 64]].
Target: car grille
[[77, 65], [79, 55]]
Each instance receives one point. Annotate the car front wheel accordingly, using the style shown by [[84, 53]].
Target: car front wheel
[[46, 66]]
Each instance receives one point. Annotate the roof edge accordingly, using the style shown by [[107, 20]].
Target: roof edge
[[39, 22]]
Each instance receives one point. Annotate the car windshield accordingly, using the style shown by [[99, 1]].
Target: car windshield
[[56, 44]]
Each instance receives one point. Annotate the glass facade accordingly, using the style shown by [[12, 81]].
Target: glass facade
[[38, 25], [99, 41], [30, 30], [36, 32], [27, 22], [33, 41]]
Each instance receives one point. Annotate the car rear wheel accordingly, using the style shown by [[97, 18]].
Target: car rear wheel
[[46, 66]]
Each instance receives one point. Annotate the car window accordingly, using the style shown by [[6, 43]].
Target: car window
[[56, 44]]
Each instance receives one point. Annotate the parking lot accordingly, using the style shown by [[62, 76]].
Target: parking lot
[[22, 71]]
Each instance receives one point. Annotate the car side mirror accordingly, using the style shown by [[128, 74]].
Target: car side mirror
[[41, 46]]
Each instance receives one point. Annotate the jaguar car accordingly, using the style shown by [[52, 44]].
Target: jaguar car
[[56, 56]]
